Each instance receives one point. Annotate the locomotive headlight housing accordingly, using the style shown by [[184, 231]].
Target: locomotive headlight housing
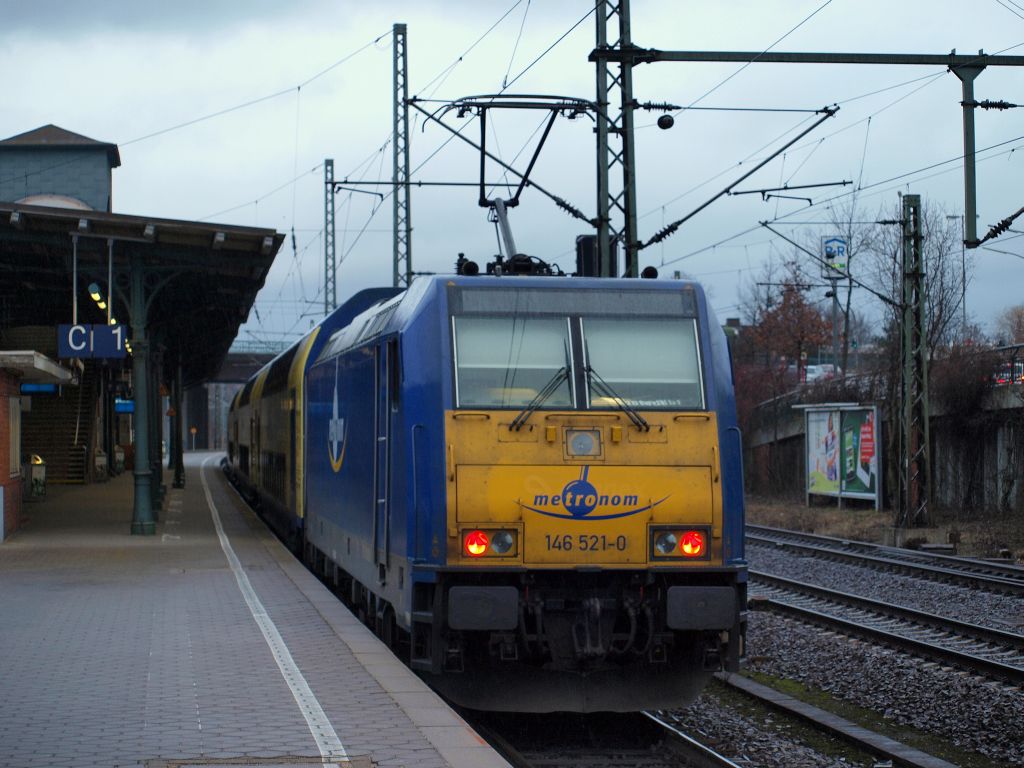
[[502, 542], [490, 542], [665, 543], [680, 543], [582, 442]]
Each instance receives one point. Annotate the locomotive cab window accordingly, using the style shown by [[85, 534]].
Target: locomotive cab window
[[504, 362], [647, 362]]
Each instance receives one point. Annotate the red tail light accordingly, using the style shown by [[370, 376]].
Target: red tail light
[[670, 543], [692, 544], [476, 543]]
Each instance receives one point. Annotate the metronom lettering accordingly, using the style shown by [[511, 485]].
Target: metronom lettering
[[604, 500]]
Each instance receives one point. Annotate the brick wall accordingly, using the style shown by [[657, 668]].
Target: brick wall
[[81, 173], [9, 486]]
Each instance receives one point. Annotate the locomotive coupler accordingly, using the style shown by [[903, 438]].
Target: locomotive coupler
[[586, 633]]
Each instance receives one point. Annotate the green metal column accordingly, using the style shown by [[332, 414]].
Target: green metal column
[[177, 423], [156, 429], [143, 521]]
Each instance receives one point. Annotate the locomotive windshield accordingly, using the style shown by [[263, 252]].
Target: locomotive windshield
[[648, 362], [508, 360], [503, 362]]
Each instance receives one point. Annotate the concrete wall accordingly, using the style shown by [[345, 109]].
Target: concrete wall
[[977, 463], [81, 173]]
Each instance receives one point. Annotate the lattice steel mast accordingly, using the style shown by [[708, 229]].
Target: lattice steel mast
[[915, 465], [616, 192], [402, 215], [330, 262]]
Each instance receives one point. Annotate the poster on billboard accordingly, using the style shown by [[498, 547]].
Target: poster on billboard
[[843, 452], [823, 453], [859, 476]]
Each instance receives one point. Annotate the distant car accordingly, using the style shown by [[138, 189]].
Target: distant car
[[827, 371], [813, 373]]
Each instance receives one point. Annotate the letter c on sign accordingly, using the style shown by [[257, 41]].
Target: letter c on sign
[[79, 329]]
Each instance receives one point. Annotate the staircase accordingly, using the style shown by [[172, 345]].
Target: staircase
[[59, 427]]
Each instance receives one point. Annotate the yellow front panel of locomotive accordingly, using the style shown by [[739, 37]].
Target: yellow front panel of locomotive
[[583, 515]]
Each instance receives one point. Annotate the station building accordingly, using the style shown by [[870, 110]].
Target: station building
[[77, 278]]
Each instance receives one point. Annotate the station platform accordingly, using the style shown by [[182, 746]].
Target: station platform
[[205, 645]]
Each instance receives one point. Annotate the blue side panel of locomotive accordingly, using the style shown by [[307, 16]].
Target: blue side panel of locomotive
[[718, 383], [386, 371]]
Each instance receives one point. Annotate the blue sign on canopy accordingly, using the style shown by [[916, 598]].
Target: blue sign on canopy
[[92, 340]]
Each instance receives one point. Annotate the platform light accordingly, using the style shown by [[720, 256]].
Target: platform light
[[97, 296]]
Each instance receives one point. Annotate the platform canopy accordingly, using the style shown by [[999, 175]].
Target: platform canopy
[[200, 279]]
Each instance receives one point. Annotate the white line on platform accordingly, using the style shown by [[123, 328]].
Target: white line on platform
[[327, 740]]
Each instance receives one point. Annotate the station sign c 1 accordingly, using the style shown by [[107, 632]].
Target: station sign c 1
[[833, 256], [92, 341]]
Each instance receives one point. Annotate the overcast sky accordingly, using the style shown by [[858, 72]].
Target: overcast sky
[[319, 75]]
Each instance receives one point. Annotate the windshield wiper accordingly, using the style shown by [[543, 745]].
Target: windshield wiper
[[547, 391], [604, 388]]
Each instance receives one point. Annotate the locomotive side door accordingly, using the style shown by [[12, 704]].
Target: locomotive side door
[[382, 459]]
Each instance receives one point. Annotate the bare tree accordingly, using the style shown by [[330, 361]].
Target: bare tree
[[1010, 325], [784, 326], [945, 274]]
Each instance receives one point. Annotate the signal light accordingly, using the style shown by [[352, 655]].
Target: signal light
[[476, 543]]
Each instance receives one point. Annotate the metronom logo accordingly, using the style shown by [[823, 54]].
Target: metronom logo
[[580, 499]]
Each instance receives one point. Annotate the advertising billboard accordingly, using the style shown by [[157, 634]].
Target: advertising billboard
[[843, 450]]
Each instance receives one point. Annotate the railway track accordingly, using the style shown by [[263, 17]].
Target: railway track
[[990, 652], [977, 574], [628, 740]]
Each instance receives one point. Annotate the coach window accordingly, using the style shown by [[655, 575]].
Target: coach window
[[648, 362], [504, 362]]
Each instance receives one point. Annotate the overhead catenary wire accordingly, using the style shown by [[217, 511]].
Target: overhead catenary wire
[[707, 93], [519, 37], [258, 100], [824, 203], [1011, 7]]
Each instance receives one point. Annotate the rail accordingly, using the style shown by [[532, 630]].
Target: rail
[[996, 654], [977, 574]]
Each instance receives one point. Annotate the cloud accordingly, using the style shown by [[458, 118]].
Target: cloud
[[72, 18]]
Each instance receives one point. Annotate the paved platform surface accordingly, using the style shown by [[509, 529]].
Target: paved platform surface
[[207, 644]]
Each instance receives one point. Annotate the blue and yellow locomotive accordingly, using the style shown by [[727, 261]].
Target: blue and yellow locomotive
[[529, 486]]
